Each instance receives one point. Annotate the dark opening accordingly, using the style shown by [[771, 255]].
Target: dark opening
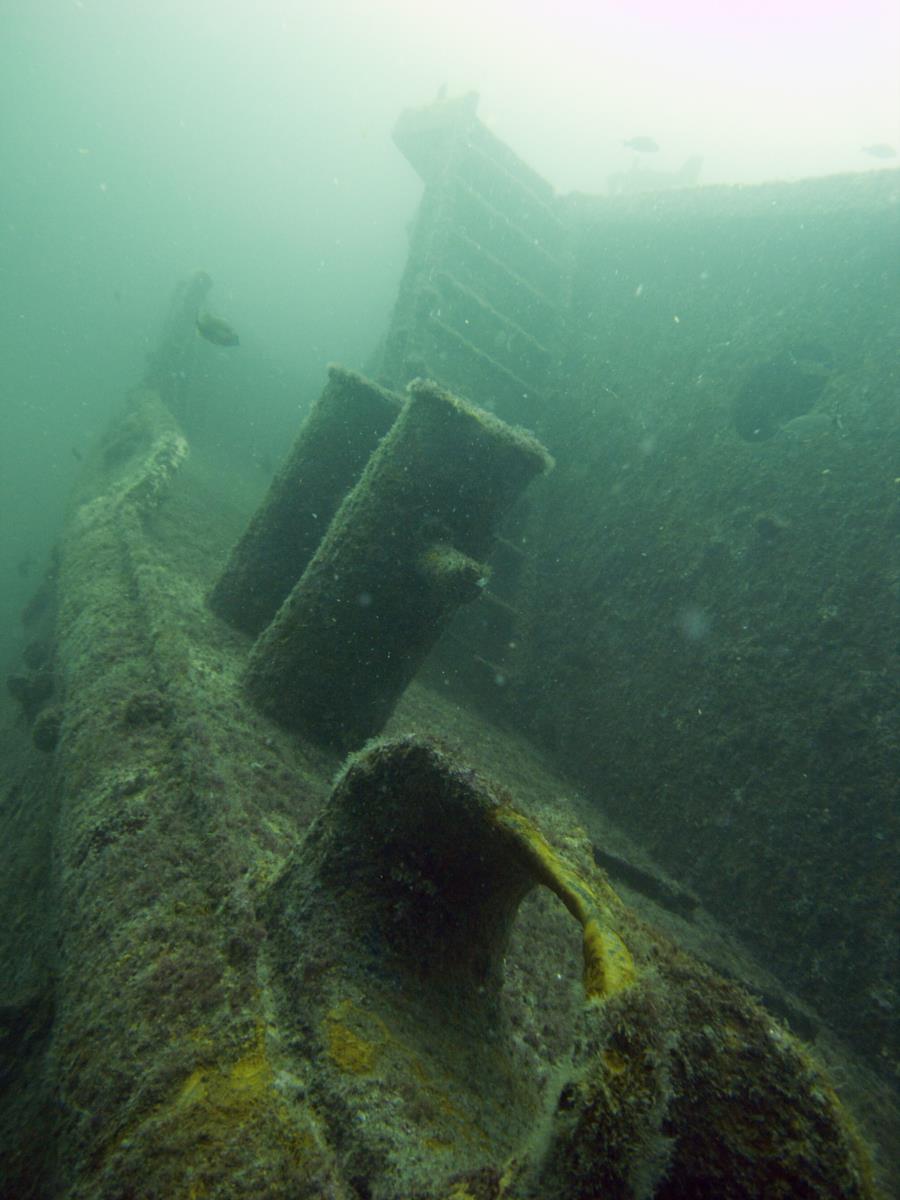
[[779, 390]]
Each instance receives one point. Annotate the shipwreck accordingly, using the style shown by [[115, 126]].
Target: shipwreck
[[420, 831]]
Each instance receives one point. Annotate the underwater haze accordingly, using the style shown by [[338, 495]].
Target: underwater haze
[[142, 140]]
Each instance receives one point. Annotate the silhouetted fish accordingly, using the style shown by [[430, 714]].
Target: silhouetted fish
[[217, 331], [645, 145], [810, 424], [880, 150]]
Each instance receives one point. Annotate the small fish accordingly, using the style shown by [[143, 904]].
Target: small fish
[[24, 565], [809, 425], [217, 331], [880, 150], [76, 454], [644, 145]]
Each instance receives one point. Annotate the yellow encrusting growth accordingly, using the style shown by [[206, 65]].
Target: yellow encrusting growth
[[217, 1107], [220, 1100], [348, 1049], [608, 964], [228, 1088]]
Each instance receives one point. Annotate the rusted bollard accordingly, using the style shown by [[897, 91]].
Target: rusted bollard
[[404, 550]]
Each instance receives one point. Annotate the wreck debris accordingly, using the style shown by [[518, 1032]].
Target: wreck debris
[[404, 550], [241, 1011], [391, 925], [482, 299], [154, 1076], [343, 428]]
